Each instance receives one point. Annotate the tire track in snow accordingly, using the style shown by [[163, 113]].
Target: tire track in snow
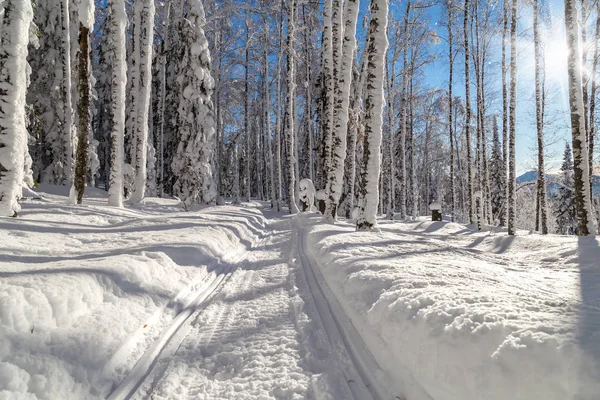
[[166, 344]]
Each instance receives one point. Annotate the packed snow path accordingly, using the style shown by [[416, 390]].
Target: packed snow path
[[154, 302], [267, 332]]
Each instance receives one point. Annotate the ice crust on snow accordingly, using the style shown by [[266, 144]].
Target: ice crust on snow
[[454, 315]]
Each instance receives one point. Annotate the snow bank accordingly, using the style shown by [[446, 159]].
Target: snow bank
[[458, 315], [85, 289]]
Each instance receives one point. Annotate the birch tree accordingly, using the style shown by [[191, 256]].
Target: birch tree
[[290, 110], [143, 24], [468, 111], [118, 22], [539, 118], [376, 49], [340, 130], [581, 164], [512, 120]]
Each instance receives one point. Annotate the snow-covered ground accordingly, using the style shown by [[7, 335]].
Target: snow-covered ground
[[456, 315], [154, 302], [241, 302]]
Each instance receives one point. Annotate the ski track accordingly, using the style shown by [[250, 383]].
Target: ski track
[[266, 331]]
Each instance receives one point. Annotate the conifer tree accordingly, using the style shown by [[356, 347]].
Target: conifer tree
[[193, 163]]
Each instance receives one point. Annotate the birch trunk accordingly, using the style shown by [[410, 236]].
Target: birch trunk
[[376, 49], [119, 82], [289, 112], [340, 131], [468, 112], [512, 120], [580, 151], [541, 181]]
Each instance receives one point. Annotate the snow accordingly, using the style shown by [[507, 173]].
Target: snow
[[454, 314], [236, 302], [84, 290], [86, 9], [14, 38]]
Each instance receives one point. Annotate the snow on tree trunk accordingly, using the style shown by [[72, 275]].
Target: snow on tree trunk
[[502, 216], [141, 84], [539, 113], [450, 110], [192, 164], [267, 107], [68, 134], [592, 111], [328, 90], [86, 24], [119, 82], [278, 132], [468, 113], [15, 17], [376, 49], [340, 129], [512, 120], [580, 150], [290, 111]]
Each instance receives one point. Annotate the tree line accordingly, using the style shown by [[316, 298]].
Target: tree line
[[242, 99]]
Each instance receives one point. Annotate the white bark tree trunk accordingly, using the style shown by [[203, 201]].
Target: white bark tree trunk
[[376, 49]]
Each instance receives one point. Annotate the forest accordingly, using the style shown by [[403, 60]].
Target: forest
[[366, 108]]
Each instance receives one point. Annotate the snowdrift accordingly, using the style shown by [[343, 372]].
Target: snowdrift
[[85, 289], [456, 315]]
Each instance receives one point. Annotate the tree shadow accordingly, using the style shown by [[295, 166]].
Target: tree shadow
[[588, 332]]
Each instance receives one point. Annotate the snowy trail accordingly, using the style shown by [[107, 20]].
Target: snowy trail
[[268, 332], [165, 345], [365, 378]]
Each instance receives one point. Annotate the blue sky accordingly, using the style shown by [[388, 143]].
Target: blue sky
[[556, 63]]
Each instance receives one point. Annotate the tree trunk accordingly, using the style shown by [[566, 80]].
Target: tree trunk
[[83, 110], [512, 120], [541, 181], [580, 151], [289, 111], [14, 37], [450, 111], [340, 129], [504, 112], [376, 49], [119, 82], [468, 112]]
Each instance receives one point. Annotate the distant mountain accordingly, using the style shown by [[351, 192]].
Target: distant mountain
[[552, 179]]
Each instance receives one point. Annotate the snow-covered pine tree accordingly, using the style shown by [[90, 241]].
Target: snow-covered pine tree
[[193, 163], [581, 166], [340, 126], [496, 173], [376, 49], [86, 24], [565, 212], [15, 18], [143, 22], [289, 109], [118, 23]]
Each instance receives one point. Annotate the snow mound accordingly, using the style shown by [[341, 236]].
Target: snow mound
[[85, 289], [455, 315]]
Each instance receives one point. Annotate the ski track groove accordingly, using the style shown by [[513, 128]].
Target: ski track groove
[[364, 376], [207, 291], [231, 298]]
